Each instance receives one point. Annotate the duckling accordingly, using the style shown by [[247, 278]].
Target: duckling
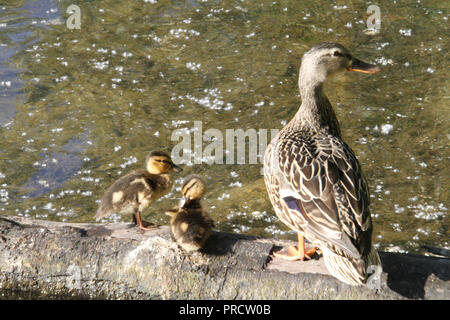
[[190, 224], [314, 179], [136, 191]]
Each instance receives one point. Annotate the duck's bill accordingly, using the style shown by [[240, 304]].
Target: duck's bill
[[176, 168], [361, 66], [182, 202], [171, 212]]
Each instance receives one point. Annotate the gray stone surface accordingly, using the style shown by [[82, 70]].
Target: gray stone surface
[[44, 259]]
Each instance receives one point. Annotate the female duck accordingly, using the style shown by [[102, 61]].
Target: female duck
[[137, 190], [190, 225], [313, 178]]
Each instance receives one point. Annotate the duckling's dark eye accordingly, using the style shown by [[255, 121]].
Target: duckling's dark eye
[[337, 54]]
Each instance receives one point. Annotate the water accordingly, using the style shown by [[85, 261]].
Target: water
[[79, 108]]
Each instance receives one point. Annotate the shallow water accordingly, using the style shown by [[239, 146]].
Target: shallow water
[[79, 108]]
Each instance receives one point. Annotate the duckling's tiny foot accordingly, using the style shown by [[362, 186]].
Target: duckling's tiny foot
[[143, 225], [148, 228], [291, 253]]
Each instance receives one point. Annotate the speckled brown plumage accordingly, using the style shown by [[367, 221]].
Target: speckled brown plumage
[[314, 179]]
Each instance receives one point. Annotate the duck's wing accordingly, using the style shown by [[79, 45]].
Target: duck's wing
[[126, 192], [322, 185], [208, 220]]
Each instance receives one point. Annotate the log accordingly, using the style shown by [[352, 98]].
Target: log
[[45, 259]]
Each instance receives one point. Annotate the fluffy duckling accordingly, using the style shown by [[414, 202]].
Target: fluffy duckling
[[136, 191], [190, 225]]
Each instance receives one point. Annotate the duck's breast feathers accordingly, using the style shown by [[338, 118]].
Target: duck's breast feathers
[[323, 187], [142, 180]]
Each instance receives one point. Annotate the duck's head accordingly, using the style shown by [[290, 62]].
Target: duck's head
[[159, 162], [326, 59], [192, 188]]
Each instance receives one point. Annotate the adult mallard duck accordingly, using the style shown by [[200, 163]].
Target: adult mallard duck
[[190, 224], [313, 178], [136, 191]]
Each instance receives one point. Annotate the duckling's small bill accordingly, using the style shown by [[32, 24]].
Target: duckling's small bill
[[176, 168]]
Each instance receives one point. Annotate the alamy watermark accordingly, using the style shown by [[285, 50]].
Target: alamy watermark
[[74, 20], [373, 23], [220, 147]]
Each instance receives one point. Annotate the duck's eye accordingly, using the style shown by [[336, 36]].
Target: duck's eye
[[337, 54]]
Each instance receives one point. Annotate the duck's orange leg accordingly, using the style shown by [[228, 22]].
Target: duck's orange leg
[[138, 220], [296, 253]]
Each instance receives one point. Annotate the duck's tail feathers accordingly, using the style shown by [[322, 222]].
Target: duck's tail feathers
[[350, 270]]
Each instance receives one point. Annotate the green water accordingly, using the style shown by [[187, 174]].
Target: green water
[[79, 108]]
